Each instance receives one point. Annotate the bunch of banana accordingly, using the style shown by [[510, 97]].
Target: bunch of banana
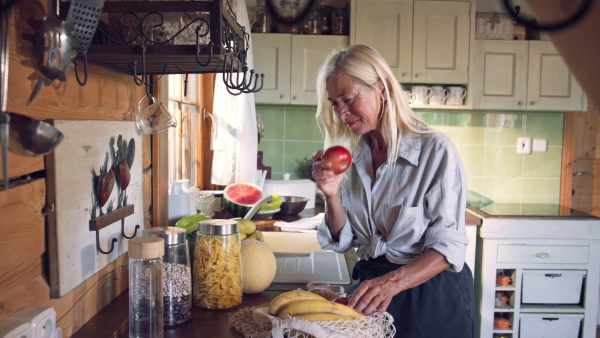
[[247, 230], [310, 306]]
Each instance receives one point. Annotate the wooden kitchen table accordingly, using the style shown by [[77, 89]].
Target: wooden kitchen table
[[112, 320]]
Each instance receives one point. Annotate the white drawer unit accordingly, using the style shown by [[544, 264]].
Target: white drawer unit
[[550, 325], [552, 286], [543, 254], [537, 276]]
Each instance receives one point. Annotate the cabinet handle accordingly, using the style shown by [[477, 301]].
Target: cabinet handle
[[520, 103], [553, 275], [549, 318], [295, 97], [417, 75], [542, 255], [281, 96], [404, 74], [532, 103]]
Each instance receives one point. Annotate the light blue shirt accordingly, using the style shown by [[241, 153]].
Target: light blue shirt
[[403, 212]]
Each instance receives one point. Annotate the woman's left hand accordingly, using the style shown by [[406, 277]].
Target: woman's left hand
[[375, 295]]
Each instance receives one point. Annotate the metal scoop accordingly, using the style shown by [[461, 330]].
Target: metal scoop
[[31, 137]]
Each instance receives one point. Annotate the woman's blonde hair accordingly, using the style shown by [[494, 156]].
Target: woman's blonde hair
[[368, 68]]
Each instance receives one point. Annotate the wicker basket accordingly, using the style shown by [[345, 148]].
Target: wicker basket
[[493, 26]]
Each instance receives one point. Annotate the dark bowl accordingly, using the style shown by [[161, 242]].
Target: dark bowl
[[292, 205]]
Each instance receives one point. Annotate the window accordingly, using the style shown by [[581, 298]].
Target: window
[[184, 139], [189, 153]]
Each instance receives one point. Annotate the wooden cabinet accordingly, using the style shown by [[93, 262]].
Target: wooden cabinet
[[290, 64], [272, 56], [423, 41], [550, 279], [523, 75]]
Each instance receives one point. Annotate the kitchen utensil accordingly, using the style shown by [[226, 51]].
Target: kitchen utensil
[[31, 137], [155, 117], [265, 214], [4, 117], [292, 205], [84, 16], [257, 206], [53, 47]]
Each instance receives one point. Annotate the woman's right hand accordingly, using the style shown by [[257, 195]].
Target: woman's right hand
[[327, 181]]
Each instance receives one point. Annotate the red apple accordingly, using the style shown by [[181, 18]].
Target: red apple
[[339, 157], [342, 300]]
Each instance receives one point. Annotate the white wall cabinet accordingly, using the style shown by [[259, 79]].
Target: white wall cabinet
[[523, 75], [553, 269], [423, 41], [290, 64]]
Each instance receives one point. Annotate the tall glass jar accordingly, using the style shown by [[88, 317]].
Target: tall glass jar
[[145, 287], [177, 274], [262, 17], [217, 282], [289, 12]]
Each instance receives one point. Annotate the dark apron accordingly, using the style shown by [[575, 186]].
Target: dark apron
[[441, 307]]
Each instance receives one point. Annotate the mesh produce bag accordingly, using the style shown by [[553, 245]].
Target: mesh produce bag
[[255, 322]]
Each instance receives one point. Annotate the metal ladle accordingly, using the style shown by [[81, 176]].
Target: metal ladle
[[20, 134]]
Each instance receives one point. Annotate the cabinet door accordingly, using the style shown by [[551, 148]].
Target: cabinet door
[[272, 57], [499, 74], [441, 42], [308, 53], [387, 27], [551, 85]]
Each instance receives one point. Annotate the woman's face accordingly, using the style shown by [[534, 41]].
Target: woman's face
[[358, 106]]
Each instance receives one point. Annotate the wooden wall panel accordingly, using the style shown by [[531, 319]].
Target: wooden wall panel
[[21, 225], [581, 146], [106, 96]]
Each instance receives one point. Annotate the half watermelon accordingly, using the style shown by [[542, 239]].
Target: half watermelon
[[238, 198]]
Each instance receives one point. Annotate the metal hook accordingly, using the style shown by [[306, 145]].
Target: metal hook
[[85, 70], [112, 244], [243, 85], [210, 54], [137, 226]]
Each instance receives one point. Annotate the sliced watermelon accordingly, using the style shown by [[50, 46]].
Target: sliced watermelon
[[238, 198]]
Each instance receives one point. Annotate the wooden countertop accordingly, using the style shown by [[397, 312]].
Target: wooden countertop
[[112, 320]]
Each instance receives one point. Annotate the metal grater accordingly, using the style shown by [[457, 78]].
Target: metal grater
[[84, 15]]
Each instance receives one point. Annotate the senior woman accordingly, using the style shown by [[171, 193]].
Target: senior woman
[[401, 204]]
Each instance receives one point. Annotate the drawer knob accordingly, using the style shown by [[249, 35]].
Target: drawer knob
[[542, 255]]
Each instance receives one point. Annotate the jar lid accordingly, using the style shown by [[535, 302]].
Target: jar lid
[[146, 247], [171, 235], [218, 227]]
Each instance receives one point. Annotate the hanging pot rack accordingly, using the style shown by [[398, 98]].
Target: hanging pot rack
[[150, 46]]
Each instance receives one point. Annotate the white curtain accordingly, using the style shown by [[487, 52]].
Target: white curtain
[[235, 143]]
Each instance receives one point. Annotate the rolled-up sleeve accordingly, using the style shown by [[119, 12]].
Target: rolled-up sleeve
[[446, 233], [328, 243]]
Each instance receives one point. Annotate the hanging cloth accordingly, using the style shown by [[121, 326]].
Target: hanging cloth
[[235, 142]]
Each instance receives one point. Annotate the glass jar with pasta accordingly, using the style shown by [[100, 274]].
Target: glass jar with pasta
[[217, 278]]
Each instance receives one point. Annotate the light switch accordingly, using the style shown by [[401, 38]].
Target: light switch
[[540, 145], [524, 145]]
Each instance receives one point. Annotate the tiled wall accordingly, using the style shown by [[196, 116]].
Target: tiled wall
[[487, 142]]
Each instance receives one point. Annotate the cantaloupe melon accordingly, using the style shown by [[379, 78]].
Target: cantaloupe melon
[[258, 266]]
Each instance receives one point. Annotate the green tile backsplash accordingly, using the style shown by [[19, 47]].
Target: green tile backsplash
[[486, 141]]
